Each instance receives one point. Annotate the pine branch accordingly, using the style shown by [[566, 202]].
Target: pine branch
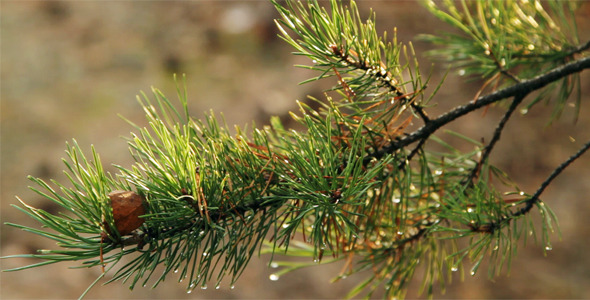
[[530, 202], [202, 202], [513, 39], [535, 197], [524, 87], [579, 49]]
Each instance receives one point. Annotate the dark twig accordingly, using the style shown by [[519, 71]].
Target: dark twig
[[420, 111], [535, 198], [496, 137], [501, 68], [579, 49], [524, 87], [493, 226], [415, 151], [383, 75]]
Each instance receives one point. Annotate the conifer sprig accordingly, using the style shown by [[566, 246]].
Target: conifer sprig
[[341, 44], [509, 41]]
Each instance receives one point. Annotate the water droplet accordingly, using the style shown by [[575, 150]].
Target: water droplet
[[274, 265], [524, 111], [176, 271], [204, 287], [470, 209], [474, 269], [217, 287], [548, 248], [189, 291], [515, 21], [454, 269], [273, 277], [285, 225], [462, 72], [531, 47], [396, 200], [232, 287], [315, 260]]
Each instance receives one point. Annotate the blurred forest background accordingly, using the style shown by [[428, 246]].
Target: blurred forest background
[[68, 68]]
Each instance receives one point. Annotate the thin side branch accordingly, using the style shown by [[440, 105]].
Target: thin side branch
[[496, 137], [580, 48], [496, 225], [535, 198]]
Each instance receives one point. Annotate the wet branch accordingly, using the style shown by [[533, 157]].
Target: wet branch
[[535, 198], [523, 88]]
